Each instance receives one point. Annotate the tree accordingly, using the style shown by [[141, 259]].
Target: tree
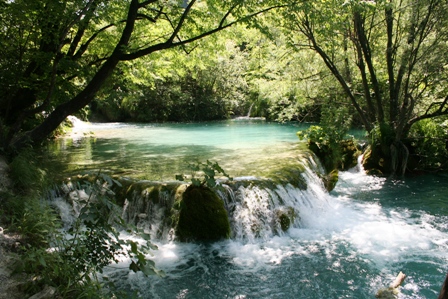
[[390, 59], [58, 54]]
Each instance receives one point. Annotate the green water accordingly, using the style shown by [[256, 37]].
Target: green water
[[159, 151], [347, 244]]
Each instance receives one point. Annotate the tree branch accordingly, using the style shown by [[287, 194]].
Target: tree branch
[[181, 22], [84, 46], [170, 44], [441, 110]]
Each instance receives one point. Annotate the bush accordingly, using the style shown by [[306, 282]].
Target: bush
[[330, 142], [428, 142], [70, 260], [26, 176]]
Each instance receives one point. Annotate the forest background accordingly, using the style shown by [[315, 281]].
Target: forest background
[[379, 66]]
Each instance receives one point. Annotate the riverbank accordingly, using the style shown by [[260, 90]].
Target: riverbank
[[9, 243], [10, 284]]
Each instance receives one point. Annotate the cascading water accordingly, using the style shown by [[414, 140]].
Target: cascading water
[[257, 208], [345, 244], [337, 247]]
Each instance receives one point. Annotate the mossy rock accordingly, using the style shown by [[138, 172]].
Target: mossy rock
[[331, 179], [202, 216], [286, 216], [350, 154], [285, 222], [374, 163]]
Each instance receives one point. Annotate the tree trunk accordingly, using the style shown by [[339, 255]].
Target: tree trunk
[[41, 132]]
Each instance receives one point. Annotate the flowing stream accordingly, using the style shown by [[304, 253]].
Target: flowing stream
[[345, 244]]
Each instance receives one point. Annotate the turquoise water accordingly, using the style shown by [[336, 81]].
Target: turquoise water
[[346, 244], [160, 151]]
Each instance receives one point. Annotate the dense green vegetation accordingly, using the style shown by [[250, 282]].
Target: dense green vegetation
[[155, 61], [378, 65], [389, 58], [69, 258]]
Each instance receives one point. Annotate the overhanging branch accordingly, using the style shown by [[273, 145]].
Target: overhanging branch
[[441, 110], [169, 43]]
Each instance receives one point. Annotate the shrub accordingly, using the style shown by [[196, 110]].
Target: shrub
[[428, 145], [70, 260], [329, 141]]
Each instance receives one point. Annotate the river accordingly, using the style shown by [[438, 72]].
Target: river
[[346, 244]]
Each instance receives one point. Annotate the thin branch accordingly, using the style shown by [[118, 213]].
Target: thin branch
[[170, 44], [181, 21], [442, 110], [84, 46], [145, 3]]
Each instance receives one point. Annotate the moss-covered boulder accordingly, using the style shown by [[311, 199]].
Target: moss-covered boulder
[[202, 216], [331, 179], [286, 216], [373, 162], [350, 153]]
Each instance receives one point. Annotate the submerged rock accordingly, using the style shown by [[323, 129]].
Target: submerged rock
[[202, 216]]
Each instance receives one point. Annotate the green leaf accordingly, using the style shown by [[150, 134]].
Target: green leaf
[[210, 172], [134, 267], [148, 270], [196, 182], [42, 261], [211, 182]]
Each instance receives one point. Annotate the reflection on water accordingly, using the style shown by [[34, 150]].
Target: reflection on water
[[158, 152]]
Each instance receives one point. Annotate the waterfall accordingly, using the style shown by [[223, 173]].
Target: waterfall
[[285, 235], [257, 208], [250, 109]]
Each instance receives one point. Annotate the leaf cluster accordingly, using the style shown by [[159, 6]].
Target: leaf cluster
[[326, 139], [203, 174]]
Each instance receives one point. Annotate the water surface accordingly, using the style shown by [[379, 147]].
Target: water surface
[[346, 244]]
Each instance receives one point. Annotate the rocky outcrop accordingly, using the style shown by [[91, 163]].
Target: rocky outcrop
[[202, 216], [10, 285]]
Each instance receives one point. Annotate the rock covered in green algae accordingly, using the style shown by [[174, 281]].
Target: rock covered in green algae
[[202, 216], [331, 179], [286, 217]]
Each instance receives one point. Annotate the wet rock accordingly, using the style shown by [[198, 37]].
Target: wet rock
[[286, 217], [47, 293], [202, 216]]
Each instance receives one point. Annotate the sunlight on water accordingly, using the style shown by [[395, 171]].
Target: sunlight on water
[[159, 151], [346, 244], [341, 248]]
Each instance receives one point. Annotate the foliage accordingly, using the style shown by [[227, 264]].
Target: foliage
[[203, 174], [386, 56], [25, 173], [327, 140], [92, 242], [428, 145], [57, 56]]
